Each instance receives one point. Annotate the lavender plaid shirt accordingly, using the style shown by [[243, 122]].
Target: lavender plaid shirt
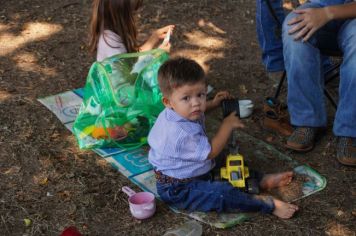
[[179, 147]]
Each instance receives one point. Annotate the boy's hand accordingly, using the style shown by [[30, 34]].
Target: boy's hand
[[233, 121], [221, 96], [218, 142]]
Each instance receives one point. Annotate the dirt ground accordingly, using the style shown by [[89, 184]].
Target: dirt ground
[[46, 179]]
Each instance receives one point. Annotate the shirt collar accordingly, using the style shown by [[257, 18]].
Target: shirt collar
[[197, 126], [171, 115]]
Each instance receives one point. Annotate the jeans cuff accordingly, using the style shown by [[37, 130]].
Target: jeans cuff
[[267, 204]]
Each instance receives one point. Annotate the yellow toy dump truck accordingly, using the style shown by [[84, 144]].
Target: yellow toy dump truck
[[238, 174], [235, 171]]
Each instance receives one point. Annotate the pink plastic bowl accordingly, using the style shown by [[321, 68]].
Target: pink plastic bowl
[[142, 204]]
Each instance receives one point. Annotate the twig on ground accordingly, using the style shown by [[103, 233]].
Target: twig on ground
[[70, 4], [3, 220]]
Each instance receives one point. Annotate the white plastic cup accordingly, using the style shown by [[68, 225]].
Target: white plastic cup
[[246, 108]]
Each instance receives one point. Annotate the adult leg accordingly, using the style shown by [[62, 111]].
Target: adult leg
[[304, 65], [305, 80], [345, 118], [268, 36]]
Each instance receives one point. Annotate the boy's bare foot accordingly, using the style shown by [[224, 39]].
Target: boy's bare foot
[[284, 210], [276, 180]]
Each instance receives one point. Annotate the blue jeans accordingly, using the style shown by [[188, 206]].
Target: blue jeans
[[306, 101], [267, 34], [206, 195]]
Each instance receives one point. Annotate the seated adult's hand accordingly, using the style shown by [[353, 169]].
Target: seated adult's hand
[[308, 21]]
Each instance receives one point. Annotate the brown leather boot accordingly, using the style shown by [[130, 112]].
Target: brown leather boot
[[302, 139], [276, 117], [346, 151]]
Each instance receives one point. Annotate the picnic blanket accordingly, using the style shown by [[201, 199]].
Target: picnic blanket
[[135, 166]]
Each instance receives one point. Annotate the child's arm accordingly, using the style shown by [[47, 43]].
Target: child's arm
[[220, 139], [212, 104], [155, 37]]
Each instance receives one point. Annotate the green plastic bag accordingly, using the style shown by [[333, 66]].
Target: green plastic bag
[[121, 101]]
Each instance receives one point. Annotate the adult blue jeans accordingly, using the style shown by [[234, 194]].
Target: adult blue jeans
[[267, 34], [207, 195], [306, 101]]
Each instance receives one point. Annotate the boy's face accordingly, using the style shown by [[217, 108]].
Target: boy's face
[[189, 101]]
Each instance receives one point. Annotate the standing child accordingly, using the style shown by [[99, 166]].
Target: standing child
[[113, 29], [183, 157]]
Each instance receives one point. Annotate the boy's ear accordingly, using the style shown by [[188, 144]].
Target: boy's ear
[[166, 102]]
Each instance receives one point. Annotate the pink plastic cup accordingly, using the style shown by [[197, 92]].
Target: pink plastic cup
[[142, 204]]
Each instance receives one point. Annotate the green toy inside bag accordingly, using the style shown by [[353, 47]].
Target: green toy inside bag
[[121, 101]]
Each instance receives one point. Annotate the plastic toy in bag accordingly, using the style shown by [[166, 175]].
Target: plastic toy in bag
[[121, 101]]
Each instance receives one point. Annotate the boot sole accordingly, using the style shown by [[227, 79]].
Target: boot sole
[[317, 139], [274, 131], [307, 149], [346, 163]]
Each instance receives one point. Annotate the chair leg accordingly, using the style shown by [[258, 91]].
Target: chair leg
[[283, 77], [330, 75], [332, 101]]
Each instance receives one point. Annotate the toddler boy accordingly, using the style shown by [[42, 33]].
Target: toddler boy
[[183, 157]]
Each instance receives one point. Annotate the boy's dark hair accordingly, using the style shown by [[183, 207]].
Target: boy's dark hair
[[177, 72]]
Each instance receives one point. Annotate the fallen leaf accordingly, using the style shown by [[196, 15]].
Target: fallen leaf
[[270, 139], [27, 222], [12, 170]]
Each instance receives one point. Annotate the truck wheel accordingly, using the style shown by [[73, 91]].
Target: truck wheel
[[252, 186]]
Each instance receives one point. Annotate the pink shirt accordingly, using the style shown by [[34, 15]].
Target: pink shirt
[[109, 44]]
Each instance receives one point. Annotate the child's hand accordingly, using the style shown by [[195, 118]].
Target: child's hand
[[221, 96], [166, 47], [155, 38], [233, 121], [161, 33], [214, 103], [218, 142]]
